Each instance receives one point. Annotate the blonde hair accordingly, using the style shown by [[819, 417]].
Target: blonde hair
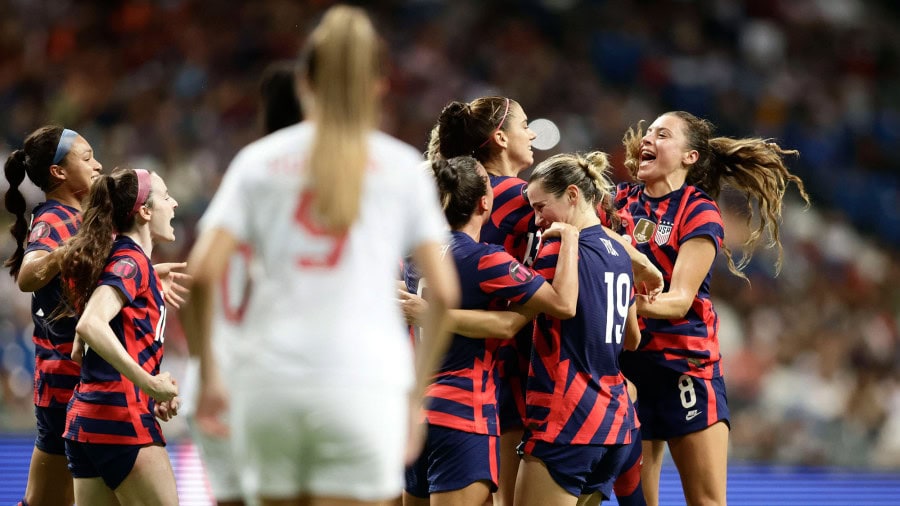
[[755, 167], [589, 172], [343, 66]]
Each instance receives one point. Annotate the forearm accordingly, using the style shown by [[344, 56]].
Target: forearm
[[197, 316], [668, 306], [478, 324], [434, 343], [565, 278], [38, 268]]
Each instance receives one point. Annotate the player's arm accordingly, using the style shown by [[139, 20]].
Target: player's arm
[[38, 268], [472, 323], [632, 329], [93, 328], [648, 280], [560, 298], [691, 267]]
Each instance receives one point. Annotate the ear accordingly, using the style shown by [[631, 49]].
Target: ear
[[501, 138], [483, 204], [690, 157], [145, 212], [572, 193], [57, 172]]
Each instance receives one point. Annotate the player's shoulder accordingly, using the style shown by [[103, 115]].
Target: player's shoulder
[[291, 141], [392, 154]]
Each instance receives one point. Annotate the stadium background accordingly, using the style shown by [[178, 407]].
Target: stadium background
[[811, 357]]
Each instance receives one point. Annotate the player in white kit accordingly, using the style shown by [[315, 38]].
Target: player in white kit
[[323, 377]]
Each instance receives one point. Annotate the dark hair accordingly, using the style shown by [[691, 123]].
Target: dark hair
[[589, 172], [753, 166], [34, 159], [278, 94], [460, 187], [109, 211], [464, 128]]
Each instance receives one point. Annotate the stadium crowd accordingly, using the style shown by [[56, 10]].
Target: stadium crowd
[[812, 356]]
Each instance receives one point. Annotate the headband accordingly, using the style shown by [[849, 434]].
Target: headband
[[483, 144], [143, 190], [65, 144]]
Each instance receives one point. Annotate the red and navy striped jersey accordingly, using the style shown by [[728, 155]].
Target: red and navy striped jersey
[[107, 407], [658, 227], [575, 392], [511, 224], [463, 394], [55, 374]]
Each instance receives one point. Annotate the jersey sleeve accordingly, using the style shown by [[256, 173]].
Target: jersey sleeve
[[702, 218], [230, 207], [51, 229], [425, 221], [127, 272], [548, 256], [503, 276]]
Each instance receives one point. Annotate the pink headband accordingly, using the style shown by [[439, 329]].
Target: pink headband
[[483, 144], [143, 190]]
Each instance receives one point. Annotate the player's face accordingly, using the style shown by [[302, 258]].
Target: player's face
[[548, 208], [80, 167], [164, 205], [663, 149], [519, 138]]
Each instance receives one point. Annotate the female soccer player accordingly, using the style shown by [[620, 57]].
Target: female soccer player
[[578, 413], [672, 217], [113, 442], [330, 206], [61, 163]]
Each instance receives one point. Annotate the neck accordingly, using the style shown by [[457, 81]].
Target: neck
[[473, 228], [65, 197], [141, 235], [665, 186], [500, 166], [585, 218]]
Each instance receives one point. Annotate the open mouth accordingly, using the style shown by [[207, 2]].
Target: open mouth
[[647, 157]]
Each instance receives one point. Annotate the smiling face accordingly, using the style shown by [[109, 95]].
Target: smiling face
[[163, 211], [664, 155], [519, 137], [79, 169]]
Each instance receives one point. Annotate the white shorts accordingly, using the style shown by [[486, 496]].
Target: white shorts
[[222, 470], [334, 441]]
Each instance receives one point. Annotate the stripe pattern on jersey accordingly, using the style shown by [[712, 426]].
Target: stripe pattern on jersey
[[658, 227], [576, 393], [107, 407], [511, 224], [55, 373], [463, 394]]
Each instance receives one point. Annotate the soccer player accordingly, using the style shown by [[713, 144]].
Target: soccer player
[[114, 444], [579, 416], [61, 163], [330, 205], [671, 215], [460, 461]]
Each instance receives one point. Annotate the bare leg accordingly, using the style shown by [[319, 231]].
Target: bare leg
[[49, 480], [702, 461]]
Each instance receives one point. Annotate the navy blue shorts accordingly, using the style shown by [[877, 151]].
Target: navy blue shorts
[[111, 462], [628, 480], [51, 423], [580, 469], [453, 459], [513, 361], [673, 404]]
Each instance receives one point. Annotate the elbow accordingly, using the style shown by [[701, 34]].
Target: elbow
[[86, 328], [566, 311], [442, 300]]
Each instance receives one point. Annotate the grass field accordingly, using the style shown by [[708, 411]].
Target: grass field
[[748, 485]]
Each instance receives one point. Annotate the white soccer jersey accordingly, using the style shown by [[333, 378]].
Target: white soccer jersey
[[323, 309]]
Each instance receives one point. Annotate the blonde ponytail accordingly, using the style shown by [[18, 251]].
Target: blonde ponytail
[[343, 70]]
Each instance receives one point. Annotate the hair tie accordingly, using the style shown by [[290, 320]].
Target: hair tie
[[143, 192], [499, 126], [65, 144]]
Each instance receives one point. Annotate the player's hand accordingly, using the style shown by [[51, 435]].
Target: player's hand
[[174, 283], [161, 387], [413, 307], [212, 405], [558, 229], [648, 280], [167, 410]]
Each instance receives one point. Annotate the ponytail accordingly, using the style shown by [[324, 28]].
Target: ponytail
[[343, 65], [14, 201], [466, 129], [460, 186]]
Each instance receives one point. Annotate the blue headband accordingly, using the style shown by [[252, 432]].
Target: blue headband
[[65, 144]]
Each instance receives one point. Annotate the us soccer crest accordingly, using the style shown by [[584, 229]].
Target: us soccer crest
[[643, 231], [663, 231]]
